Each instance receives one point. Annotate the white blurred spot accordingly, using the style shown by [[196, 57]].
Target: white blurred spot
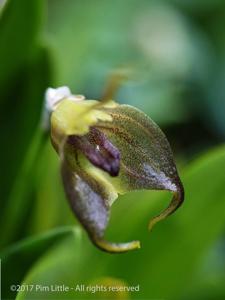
[[52, 98]]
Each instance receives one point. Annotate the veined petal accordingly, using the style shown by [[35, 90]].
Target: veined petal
[[146, 157], [90, 200]]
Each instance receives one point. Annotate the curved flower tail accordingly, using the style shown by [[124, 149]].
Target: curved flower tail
[[115, 247], [176, 202]]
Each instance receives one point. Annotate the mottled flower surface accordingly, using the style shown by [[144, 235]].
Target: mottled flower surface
[[108, 149]]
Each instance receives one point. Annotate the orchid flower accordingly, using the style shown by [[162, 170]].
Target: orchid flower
[[107, 149]]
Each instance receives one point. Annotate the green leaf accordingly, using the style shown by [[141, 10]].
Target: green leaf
[[20, 25], [13, 217], [19, 258], [26, 72], [22, 126]]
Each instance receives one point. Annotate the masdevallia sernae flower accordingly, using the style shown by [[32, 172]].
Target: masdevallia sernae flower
[[108, 149]]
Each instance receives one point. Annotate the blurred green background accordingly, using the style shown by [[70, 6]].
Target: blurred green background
[[175, 54]]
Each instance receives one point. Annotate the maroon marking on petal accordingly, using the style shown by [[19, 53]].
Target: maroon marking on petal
[[98, 150], [101, 140]]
